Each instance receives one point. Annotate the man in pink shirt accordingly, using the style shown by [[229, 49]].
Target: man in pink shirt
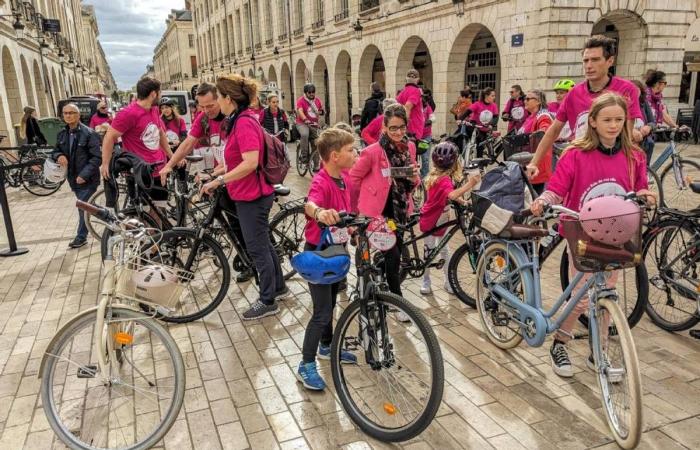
[[142, 134], [309, 109], [598, 57], [411, 98]]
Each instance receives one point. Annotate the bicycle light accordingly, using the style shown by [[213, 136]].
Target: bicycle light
[[123, 338]]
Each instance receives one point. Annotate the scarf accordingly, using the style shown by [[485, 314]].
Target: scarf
[[400, 190], [656, 102]]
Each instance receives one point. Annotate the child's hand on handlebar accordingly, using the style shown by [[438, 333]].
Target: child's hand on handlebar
[[328, 216], [537, 207]]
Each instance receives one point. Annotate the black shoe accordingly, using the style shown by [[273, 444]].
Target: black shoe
[[343, 285], [260, 310], [283, 294], [77, 243], [244, 276]]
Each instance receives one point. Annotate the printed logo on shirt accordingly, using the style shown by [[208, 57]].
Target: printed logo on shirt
[[581, 125], [565, 132], [151, 137], [517, 113], [172, 136]]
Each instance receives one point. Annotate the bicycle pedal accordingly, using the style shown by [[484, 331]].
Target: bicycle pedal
[[88, 371], [501, 319], [351, 343]]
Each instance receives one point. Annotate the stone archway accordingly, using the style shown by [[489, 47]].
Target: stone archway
[[414, 54], [40, 91], [630, 33], [260, 75], [14, 99], [251, 74], [301, 77], [474, 60], [343, 88], [286, 87], [28, 85], [272, 75], [321, 80], [371, 70]]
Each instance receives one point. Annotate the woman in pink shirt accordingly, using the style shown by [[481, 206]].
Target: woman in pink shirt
[[603, 162], [175, 126], [101, 117], [247, 187], [486, 104]]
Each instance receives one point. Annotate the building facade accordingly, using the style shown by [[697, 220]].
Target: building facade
[[344, 45], [40, 66], [175, 56]]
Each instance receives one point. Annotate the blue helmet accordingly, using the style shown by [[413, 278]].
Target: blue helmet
[[326, 266]]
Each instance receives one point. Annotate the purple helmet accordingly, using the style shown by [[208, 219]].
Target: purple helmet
[[444, 155]]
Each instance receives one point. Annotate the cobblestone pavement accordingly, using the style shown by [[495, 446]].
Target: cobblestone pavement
[[241, 391]]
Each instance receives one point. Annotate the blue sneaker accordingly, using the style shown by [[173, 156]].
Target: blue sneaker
[[309, 377], [324, 352]]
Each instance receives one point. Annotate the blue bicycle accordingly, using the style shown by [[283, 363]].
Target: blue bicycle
[[509, 301], [674, 180]]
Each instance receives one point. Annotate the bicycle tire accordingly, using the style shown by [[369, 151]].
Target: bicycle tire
[[673, 194], [420, 423], [166, 241], [60, 341], [630, 439], [35, 183], [634, 314], [288, 236], [315, 162], [653, 309], [464, 253], [302, 167], [654, 186]]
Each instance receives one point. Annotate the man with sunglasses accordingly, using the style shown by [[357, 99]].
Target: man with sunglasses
[[309, 109], [78, 150]]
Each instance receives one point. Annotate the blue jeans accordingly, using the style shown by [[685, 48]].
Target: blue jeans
[[84, 194]]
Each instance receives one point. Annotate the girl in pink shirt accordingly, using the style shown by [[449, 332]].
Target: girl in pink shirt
[[440, 184], [604, 162], [487, 105]]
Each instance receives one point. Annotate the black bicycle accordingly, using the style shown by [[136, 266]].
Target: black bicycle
[[395, 389], [30, 176], [309, 160]]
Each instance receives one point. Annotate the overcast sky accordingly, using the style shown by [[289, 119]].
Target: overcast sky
[[129, 31]]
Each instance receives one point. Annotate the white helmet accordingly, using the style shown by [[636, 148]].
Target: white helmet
[[155, 282], [53, 171]]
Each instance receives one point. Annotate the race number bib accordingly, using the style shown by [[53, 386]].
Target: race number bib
[[339, 235], [381, 237]]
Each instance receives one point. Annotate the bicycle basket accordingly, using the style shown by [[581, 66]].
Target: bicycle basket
[[151, 282], [517, 143], [591, 255]]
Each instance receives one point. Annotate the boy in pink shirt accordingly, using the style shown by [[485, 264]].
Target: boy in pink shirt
[[329, 194], [411, 97]]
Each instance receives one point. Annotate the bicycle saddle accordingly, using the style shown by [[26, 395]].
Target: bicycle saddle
[[281, 190], [194, 158], [478, 163], [695, 187], [517, 231]]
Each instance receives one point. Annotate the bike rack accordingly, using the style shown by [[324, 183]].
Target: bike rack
[[13, 250]]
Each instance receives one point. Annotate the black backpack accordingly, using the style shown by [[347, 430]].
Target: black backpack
[[276, 162]]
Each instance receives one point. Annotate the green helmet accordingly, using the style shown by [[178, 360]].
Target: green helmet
[[564, 85]]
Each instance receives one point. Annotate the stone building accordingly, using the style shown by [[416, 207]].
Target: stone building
[[344, 45], [175, 56], [40, 66]]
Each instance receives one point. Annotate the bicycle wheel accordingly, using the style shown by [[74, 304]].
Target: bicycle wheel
[[315, 162], [395, 389], [632, 290], [671, 257], [676, 186], [496, 266], [33, 181], [461, 273], [96, 227], [302, 162], [655, 187], [131, 407], [617, 370], [211, 273], [287, 235]]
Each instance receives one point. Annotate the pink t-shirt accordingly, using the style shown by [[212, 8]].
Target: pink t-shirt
[[435, 205], [174, 129], [577, 103], [325, 193], [247, 136], [581, 176], [214, 137], [373, 130], [140, 129], [412, 94], [304, 104], [480, 106], [553, 107], [96, 120], [427, 128], [516, 107]]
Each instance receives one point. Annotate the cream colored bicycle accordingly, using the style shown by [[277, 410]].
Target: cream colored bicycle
[[112, 376]]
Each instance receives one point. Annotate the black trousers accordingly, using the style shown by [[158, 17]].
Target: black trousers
[[320, 327], [253, 217], [229, 209]]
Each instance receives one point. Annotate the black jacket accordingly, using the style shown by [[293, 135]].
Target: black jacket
[[34, 134], [373, 107], [84, 158], [268, 122]]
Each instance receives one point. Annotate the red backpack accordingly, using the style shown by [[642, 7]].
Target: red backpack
[[276, 162]]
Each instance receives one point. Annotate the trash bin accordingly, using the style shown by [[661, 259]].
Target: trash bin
[[50, 126]]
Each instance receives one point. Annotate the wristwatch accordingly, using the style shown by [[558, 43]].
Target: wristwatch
[[220, 180]]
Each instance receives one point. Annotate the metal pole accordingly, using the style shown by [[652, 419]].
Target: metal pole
[[13, 250], [291, 63]]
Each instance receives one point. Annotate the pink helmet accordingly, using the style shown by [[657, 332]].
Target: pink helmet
[[610, 220]]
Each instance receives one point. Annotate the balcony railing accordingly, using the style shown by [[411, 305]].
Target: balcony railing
[[258, 46], [368, 5], [282, 37], [298, 32], [342, 15], [318, 24], [248, 49], [269, 42]]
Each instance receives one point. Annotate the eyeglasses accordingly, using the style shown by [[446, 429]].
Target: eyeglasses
[[530, 98], [69, 113], [399, 128], [663, 82], [513, 92]]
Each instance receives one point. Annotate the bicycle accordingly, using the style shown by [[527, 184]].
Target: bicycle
[[112, 376], [676, 177], [30, 176], [671, 250], [406, 400], [509, 302], [310, 162]]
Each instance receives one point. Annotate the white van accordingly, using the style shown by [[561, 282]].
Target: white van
[[182, 99]]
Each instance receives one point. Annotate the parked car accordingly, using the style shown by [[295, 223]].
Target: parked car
[[86, 103]]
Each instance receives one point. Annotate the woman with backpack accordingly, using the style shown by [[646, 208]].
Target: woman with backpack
[[274, 119], [248, 187]]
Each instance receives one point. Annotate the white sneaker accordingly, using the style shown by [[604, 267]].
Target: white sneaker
[[402, 316], [426, 289], [448, 288]]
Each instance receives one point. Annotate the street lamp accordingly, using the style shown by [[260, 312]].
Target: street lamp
[[44, 47], [18, 27], [276, 51], [459, 7], [309, 44], [357, 28]]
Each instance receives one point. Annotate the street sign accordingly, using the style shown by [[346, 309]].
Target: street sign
[[516, 40], [51, 25]]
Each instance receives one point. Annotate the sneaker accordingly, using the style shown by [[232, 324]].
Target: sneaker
[[309, 377], [614, 376], [77, 243], [561, 364], [324, 352], [283, 294], [260, 310], [244, 276], [402, 317], [426, 289], [448, 288]]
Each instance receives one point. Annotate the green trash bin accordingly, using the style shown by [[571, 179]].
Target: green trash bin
[[50, 126]]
